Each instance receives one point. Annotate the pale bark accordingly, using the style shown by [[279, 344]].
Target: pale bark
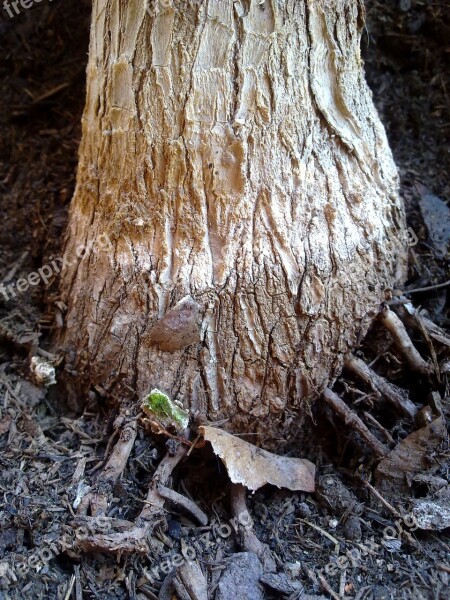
[[232, 153]]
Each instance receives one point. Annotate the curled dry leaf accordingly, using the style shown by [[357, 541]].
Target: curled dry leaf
[[254, 467]]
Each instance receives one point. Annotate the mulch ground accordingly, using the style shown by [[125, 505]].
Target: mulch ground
[[342, 541]]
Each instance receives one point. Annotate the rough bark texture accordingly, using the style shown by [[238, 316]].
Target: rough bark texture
[[232, 153]]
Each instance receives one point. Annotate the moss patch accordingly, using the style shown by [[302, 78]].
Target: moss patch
[[159, 406]]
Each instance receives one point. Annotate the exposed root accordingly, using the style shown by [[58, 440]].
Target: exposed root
[[99, 497], [154, 503], [396, 396], [246, 537], [380, 427], [379, 385], [403, 342], [183, 502], [134, 539], [351, 419], [425, 326]]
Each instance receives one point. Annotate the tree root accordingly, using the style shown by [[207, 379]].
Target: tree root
[[183, 502], [97, 500], [246, 537], [403, 342], [134, 538], [130, 537], [351, 419], [396, 396], [426, 328]]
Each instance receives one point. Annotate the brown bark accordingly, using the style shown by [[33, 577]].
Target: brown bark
[[232, 154]]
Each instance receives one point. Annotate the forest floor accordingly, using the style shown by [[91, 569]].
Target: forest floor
[[349, 539]]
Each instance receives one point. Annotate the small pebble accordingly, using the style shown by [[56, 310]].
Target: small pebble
[[333, 523]]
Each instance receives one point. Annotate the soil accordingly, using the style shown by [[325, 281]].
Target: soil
[[341, 541]]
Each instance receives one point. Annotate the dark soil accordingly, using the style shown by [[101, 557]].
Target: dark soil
[[331, 544]]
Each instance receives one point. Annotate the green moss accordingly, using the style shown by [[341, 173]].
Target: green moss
[[159, 406]]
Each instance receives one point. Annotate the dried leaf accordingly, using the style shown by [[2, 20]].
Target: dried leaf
[[254, 467], [410, 457]]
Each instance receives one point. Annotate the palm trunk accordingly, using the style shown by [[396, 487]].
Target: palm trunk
[[232, 154]]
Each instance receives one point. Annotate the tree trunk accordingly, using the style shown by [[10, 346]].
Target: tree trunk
[[232, 154]]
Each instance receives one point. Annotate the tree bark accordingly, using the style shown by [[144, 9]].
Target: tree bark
[[232, 154]]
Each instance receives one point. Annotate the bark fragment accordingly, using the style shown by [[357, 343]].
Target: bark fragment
[[178, 328]]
